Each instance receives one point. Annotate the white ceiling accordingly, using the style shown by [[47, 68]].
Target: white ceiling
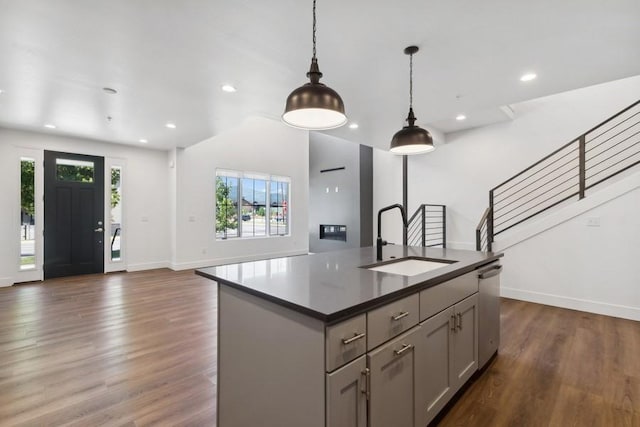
[[168, 59]]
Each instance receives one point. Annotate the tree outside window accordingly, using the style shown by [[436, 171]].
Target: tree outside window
[[226, 207]]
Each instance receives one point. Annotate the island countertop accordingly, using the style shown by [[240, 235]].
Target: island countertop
[[332, 286]]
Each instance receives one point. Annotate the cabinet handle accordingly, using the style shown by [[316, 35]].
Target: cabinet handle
[[400, 315], [356, 336], [453, 321], [459, 320], [404, 348], [366, 374]]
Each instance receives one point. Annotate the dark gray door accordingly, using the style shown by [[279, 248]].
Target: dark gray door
[[73, 214]]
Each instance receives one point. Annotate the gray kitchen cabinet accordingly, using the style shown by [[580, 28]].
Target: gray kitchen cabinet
[[448, 356], [392, 382], [338, 354], [434, 370], [465, 340], [347, 395]]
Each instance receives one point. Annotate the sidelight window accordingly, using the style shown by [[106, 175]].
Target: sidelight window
[[116, 214], [27, 214]]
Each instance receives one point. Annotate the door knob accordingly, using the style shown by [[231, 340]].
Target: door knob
[[98, 230]]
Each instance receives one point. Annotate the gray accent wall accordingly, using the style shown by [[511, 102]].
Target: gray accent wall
[[340, 197]]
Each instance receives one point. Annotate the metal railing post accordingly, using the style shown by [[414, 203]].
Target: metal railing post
[[582, 166], [444, 227], [424, 225], [490, 223]]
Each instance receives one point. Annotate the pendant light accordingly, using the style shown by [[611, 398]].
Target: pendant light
[[411, 139], [313, 105]]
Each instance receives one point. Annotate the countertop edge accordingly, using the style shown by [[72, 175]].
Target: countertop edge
[[363, 307]]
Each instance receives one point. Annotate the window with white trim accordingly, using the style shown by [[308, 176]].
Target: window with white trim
[[250, 204]]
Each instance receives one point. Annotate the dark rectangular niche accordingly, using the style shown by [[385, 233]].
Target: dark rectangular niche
[[333, 232]]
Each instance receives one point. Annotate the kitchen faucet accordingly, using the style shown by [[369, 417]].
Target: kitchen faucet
[[379, 242]]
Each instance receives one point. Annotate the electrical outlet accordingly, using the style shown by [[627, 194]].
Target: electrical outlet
[[593, 222]]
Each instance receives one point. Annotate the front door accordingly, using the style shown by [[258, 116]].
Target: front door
[[73, 214]]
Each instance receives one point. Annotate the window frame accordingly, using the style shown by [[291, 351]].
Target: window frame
[[239, 205]]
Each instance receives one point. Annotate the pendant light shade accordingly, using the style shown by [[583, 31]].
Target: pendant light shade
[[314, 106], [411, 139]]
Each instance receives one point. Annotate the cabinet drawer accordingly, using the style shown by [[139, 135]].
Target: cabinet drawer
[[392, 319], [345, 341], [444, 295]]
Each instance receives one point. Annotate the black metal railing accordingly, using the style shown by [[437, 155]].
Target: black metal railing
[[113, 238], [597, 155], [483, 243], [428, 226]]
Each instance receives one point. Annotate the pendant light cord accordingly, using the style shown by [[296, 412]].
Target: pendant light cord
[[314, 29], [411, 81]]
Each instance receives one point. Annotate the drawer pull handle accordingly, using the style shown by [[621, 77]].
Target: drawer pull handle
[[400, 315], [356, 336], [404, 348], [459, 320], [453, 321]]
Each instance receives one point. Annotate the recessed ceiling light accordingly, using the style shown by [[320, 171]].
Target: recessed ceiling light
[[143, 141], [50, 126], [1, 91], [171, 125], [110, 90], [528, 77], [228, 88], [461, 117], [353, 126]]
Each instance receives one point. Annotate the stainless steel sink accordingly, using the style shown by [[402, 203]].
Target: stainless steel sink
[[409, 266]]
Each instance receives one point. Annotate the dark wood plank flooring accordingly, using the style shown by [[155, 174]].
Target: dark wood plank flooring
[[556, 367], [138, 349]]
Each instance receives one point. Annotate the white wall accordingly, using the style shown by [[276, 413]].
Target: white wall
[[564, 261], [569, 264], [460, 173], [145, 181], [259, 145]]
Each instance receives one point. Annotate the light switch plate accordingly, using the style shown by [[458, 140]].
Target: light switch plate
[[593, 222]]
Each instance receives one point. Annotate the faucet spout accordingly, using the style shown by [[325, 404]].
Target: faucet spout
[[379, 242]]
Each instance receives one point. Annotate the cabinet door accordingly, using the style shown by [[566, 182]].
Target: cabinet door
[[392, 381], [465, 340], [346, 395], [434, 368]]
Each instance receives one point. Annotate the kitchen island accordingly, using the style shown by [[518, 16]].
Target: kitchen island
[[318, 340]]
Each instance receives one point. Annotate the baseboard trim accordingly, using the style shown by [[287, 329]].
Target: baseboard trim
[[6, 281], [178, 266], [148, 266], [607, 309]]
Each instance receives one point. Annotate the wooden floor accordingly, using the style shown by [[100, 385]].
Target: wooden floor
[[140, 349], [556, 367]]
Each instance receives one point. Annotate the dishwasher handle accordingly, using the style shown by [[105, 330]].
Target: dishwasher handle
[[494, 270]]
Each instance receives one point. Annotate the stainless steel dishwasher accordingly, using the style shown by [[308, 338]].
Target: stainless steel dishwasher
[[488, 311]]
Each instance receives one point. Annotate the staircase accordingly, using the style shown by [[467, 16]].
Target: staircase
[[564, 176]]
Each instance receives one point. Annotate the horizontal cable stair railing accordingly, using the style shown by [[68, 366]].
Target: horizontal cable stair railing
[[482, 232], [599, 154], [428, 226]]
